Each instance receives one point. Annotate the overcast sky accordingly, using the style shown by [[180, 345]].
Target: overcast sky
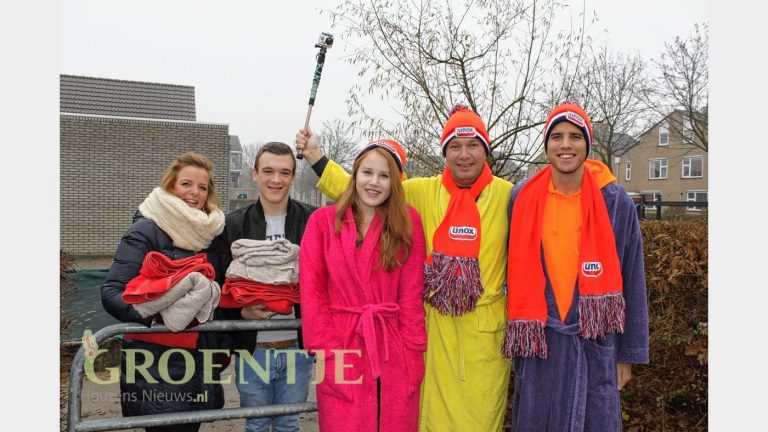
[[252, 62]]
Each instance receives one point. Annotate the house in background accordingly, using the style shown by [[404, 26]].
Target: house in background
[[621, 143], [667, 164], [116, 140], [242, 190], [664, 163], [235, 161]]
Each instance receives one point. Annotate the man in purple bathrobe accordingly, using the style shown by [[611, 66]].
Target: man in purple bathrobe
[[573, 383]]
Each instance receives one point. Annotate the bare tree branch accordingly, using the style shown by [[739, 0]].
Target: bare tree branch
[[683, 84], [494, 55], [614, 86]]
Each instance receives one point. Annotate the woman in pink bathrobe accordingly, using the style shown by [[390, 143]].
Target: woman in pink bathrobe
[[361, 280]]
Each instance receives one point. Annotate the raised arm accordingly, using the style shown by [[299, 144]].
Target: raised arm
[[333, 179]]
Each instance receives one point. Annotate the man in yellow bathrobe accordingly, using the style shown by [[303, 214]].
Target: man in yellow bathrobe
[[464, 213]]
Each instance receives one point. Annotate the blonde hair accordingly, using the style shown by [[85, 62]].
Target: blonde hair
[[397, 231], [196, 160]]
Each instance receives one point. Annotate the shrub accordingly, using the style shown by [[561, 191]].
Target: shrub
[[66, 291], [670, 393]]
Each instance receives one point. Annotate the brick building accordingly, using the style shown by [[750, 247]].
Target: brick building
[[116, 140], [667, 163]]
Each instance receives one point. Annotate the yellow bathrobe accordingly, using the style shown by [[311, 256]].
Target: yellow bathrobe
[[466, 378]]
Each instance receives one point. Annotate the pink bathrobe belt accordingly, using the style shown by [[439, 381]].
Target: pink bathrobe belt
[[365, 326]]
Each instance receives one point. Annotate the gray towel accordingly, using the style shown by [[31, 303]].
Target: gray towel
[[267, 261], [194, 296]]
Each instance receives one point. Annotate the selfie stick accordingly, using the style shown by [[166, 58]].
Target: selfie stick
[[325, 42]]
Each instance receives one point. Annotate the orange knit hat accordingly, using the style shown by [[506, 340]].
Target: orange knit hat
[[571, 112], [392, 146], [463, 122]]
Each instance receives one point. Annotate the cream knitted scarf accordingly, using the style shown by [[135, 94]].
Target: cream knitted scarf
[[189, 228]]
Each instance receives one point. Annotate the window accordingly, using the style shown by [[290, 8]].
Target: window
[[687, 131], [650, 198], [235, 161], [693, 166], [628, 171], [657, 169], [696, 196], [664, 134]]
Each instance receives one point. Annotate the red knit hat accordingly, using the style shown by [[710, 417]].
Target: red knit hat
[[463, 122], [392, 146], [571, 112]]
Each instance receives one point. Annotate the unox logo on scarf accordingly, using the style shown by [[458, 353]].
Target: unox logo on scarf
[[465, 233], [591, 268], [575, 118], [466, 131]]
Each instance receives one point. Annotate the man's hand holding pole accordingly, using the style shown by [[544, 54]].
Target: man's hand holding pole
[[306, 144]]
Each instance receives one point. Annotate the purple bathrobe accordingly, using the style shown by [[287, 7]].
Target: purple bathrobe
[[575, 388]]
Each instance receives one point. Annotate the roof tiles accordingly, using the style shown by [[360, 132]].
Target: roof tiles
[[103, 96]]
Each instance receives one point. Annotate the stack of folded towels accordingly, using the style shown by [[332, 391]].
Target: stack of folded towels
[[182, 292], [262, 272]]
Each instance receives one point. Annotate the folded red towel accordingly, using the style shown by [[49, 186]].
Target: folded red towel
[[238, 293], [159, 273]]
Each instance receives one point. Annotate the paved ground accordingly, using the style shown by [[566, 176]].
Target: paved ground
[[101, 401]]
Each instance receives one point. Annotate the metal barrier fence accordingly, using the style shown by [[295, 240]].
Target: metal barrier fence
[[75, 424], [643, 205]]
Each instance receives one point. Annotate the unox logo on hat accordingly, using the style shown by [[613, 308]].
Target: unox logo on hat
[[466, 233], [575, 118], [466, 131], [592, 268], [384, 144]]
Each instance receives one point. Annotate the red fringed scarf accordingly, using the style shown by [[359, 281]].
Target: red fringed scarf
[[452, 272], [601, 302]]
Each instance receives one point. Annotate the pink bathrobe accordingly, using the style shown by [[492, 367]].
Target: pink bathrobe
[[349, 303]]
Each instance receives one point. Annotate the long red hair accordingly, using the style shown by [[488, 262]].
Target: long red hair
[[397, 232]]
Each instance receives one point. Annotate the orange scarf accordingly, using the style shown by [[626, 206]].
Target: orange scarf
[[601, 302], [452, 272]]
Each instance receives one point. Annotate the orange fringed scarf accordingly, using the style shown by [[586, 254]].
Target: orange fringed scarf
[[601, 302], [452, 272]]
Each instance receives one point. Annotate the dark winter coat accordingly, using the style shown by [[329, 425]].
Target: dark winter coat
[[140, 397]]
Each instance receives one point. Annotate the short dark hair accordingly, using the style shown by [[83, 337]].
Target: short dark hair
[[277, 148]]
